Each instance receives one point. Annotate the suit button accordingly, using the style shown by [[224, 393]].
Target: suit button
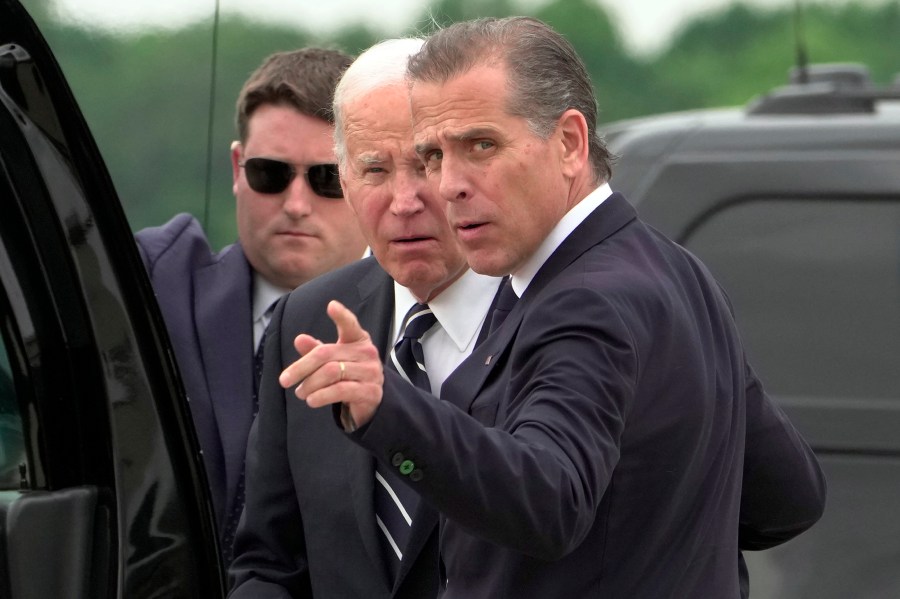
[[406, 467], [397, 459], [415, 475]]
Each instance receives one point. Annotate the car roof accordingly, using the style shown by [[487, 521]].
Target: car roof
[[738, 129], [701, 159]]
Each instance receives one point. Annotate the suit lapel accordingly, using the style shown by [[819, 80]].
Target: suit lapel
[[222, 313], [606, 219], [375, 311], [462, 387], [424, 521]]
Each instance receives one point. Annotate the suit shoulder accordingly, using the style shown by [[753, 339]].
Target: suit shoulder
[[181, 239], [343, 284], [162, 236]]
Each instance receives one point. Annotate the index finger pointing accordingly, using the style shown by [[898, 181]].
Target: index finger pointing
[[348, 327]]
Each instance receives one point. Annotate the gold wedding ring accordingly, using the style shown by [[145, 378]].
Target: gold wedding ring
[[343, 370]]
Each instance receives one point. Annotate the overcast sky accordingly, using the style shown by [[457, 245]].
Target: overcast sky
[[645, 24]]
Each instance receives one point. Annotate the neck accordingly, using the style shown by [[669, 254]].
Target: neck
[[425, 294]]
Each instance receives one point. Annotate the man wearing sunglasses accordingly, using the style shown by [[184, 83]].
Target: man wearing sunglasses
[[293, 225], [318, 520]]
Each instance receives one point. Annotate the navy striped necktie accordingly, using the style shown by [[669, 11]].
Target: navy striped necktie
[[395, 502]]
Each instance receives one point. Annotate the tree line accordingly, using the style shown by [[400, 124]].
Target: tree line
[[147, 96]]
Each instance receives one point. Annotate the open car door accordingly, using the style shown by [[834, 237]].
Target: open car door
[[102, 489]]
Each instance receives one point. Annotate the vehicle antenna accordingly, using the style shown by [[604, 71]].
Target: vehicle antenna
[[800, 44], [209, 119]]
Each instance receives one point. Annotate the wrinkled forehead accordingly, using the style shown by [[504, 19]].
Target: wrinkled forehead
[[473, 100], [378, 120]]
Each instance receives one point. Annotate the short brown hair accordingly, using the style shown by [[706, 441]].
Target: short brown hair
[[303, 79], [544, 73]]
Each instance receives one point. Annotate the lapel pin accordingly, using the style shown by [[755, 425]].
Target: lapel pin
[[487, 360]]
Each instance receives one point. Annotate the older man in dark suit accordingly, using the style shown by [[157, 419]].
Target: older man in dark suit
[[610, 439], [293, 225], [321, 520]]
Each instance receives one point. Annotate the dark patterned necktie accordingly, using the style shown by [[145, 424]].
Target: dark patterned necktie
[[395, 502], [234, 516], [506, 301]]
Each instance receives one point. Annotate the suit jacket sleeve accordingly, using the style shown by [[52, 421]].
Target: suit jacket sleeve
[[784, 488], [269, 545], [534, 482]]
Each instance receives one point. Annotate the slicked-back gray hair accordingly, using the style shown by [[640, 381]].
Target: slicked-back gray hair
[[546, 77], [382, 65]]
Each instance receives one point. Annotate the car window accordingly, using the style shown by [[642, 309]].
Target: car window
[[795, 270]]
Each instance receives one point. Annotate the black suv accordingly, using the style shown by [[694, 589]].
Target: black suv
[[794, 203], [102, 491]]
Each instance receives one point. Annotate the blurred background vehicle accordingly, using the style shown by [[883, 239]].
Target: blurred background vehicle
[[794, 203]]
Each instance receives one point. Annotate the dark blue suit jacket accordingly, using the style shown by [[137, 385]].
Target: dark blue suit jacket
[[205, 299], [309, 528], [610, 439]]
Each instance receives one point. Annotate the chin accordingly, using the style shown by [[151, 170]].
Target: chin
[[415, 277], [488, 264], [419, 278]]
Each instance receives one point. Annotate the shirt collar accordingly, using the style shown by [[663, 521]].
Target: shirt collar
[[265, 294], [568, 223], [454, 307]]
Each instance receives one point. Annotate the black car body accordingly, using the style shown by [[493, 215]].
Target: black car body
[[102, 491], [794, 203]]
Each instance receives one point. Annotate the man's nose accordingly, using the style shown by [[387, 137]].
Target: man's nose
[[298, 197], [407, 198], [454, 182]]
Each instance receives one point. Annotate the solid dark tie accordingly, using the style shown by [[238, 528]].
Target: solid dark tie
[[506, 301], [395, 502], [234, 516]]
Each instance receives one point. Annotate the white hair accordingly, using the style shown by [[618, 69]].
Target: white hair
[[382, 65]]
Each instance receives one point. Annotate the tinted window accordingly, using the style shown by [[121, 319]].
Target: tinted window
[[816, 289]]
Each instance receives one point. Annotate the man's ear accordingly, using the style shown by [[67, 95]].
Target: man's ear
[[237, 152], [572, 131]]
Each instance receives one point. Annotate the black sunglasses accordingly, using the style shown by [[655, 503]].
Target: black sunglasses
[[265, 175]]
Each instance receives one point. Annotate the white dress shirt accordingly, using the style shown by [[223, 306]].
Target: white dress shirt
[[265, 294], [460, 310]]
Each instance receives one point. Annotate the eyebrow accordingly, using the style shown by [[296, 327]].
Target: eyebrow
[[422, 148], [474, 133], [368, 158], [466, 135]]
